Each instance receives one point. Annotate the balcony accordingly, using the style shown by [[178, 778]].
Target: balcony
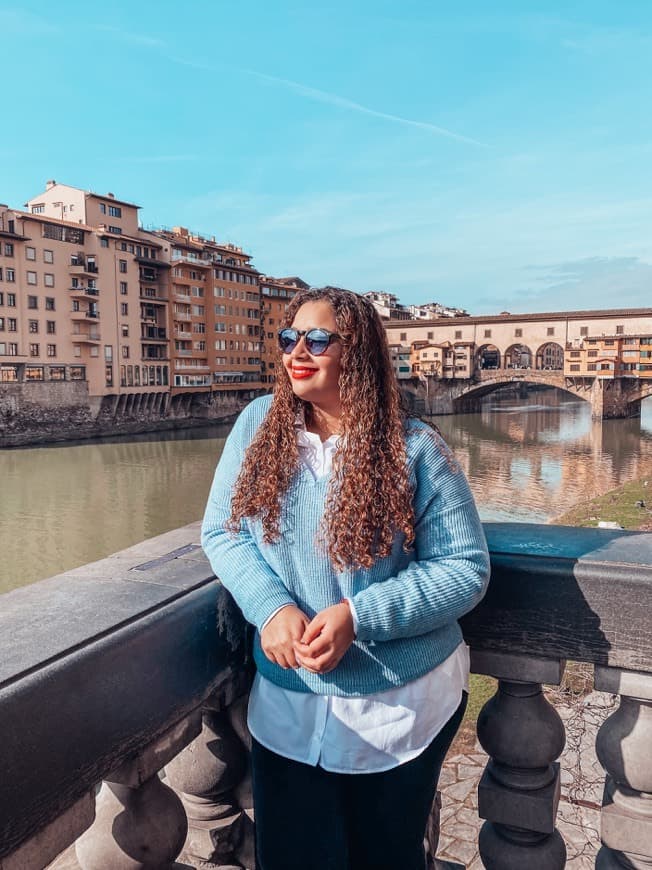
[[142, 663], [84, 315], [153, 333], [182, 333], [85, 338], [83, 292], [79, 266]]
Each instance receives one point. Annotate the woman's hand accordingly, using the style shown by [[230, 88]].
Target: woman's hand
[[281, 632], [326, 639]]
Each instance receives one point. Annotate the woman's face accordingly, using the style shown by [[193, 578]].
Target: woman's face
[[315, 379]]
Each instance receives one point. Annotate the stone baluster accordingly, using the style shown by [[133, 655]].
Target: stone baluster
[[211, 777], [624, 748], [140, 822], [519, 791]]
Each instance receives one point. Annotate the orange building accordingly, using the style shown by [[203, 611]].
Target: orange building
[[70, 294]]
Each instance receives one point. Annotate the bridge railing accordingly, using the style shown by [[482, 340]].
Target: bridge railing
[[134, 672]]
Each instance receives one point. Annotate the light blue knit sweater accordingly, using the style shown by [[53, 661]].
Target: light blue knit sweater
[[407, 603]]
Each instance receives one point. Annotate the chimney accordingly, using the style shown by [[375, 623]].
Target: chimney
[[111, 195], [50, 183]]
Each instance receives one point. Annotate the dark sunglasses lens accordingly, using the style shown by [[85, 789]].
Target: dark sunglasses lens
[[317, 341], [287, 339]]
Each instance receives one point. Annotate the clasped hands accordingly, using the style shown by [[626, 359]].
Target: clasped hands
[[292, 640]]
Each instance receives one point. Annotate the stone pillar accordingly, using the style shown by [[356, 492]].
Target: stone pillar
[[140, 823], [624, 748], [519, 791], [212, 778]]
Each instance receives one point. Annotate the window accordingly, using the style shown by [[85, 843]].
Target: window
[[115, 211], [125, 351], [123, 288], [620, 330], [38, 209], [57, 373], [10, 276], [33, 373], [108, 375], [104, 242], [32, 301], [2, 324], [117, 231], [593, 353], [31, 278], [48, 279], [518, 333], [33, 326], [487, 333], [584, 330], [30, 253], [431, 335], [124, 309], [48, 256], [50, 327], [403, 335], [125, 330], [52, 351], [123, 265], [49, 303], [12, 324], [102, 208], [34, 350], [575, 354], [9, 249], [458, 333], [77, 373], [550, 330]]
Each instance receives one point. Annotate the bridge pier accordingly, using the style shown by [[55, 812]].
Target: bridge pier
[[611, 399]]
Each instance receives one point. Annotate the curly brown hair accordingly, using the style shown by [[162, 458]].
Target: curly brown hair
[[369, 498]]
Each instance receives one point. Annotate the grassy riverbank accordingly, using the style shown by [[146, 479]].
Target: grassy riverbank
[[630, 505]]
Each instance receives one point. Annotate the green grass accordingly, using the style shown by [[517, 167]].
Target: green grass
[[481, 688], [618, 505]]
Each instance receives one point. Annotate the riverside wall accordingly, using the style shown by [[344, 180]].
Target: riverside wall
[[43, 413]]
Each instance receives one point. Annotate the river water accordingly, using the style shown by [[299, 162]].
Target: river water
[[527, 460]]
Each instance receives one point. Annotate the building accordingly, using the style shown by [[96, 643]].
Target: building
[[215, 314], [86, 294], [77, 296], [275, 294], [387, 305], [432, 310], [609, 356]]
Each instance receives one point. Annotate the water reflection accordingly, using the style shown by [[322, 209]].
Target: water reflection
[[531, 461], [66, 505]]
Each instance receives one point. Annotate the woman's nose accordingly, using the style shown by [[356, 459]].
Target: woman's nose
[[300, 349]]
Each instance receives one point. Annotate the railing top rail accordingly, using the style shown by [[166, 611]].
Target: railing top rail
[[567, 592]]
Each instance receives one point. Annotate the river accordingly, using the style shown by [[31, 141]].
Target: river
[[65, 505]]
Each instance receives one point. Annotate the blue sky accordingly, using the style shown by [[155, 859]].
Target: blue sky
[[494, 156]]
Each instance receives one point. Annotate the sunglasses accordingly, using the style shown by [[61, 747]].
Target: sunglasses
[[317, 340]]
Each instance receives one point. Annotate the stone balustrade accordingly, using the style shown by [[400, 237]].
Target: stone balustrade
[[133, 673]]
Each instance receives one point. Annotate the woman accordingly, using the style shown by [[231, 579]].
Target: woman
[[348, 536]]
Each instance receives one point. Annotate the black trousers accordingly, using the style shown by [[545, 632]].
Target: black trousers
[[308, 818]]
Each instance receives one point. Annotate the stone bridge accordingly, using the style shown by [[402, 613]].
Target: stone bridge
[[609, 397]]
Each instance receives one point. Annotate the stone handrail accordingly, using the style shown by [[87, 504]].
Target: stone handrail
[[139, 662]]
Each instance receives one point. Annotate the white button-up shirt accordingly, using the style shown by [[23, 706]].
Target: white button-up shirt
[[365, 734]]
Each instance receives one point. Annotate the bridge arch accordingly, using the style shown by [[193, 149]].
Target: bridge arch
[[488, 357], [518, 356], [550, 357]]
